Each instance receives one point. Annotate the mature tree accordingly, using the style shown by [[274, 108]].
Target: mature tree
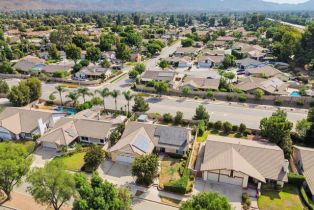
[[123, 52], [4, 87], [133, 39], [84, 91], [205, 200], [133, 74], [227, 127], [128, 97], [106, 64], [115, 94], [72, 52], [60, 89], [163, 64], [145, 169], [259, 93], [6, 67], [20, 94], [228, 61], [229, 75], [140, 105], [201, 113], [61, 36], [153, 48], [140, 68], [80, 40], [54, 52], [107, 41], [209, 94], [185, 91], [188, 42], [51, 185], [309, 138], [161, 87], [178, 118], [218, 125], [277, 128], [14, 164], [93, 54], [93, 158], [100, 194], [242, 128], [34, 85], [116, 134], [302, 127], [104, 93], [73, 96]]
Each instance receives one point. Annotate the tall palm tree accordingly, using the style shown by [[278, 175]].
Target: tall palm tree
[[74, 96], [103, 93], [60, 89], [115, 94], [84, 91], [128, 97]]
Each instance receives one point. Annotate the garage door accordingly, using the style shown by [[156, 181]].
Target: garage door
[[231, 180], [5, 136], [49, 145], [212, 177], [124, 159]]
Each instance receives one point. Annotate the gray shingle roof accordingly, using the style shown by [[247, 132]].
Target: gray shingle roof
[[172, 136]]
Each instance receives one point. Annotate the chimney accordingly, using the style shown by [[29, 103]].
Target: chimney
[[285, 165]]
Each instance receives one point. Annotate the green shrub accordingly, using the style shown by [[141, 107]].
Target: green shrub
[[296, 179], [278, 102], [229, 97], [167, 117], [246, 201], [218, 125], [201, 127], [180, 185], [210, 125], [235, 128], [227, 127], [306, 199], [300, 102], [242, 98]]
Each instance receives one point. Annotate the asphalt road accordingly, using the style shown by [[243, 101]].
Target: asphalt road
[[235, 113]]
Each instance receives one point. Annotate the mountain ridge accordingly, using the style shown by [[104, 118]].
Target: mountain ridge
[[152, 5]]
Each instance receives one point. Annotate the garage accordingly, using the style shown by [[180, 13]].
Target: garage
[[212, 176], [124, 158], [49, 145], [231, 180]]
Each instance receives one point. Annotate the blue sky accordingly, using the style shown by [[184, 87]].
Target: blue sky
[[287, 1]]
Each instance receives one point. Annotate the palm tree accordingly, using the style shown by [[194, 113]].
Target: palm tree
[[60, 89], [115, 94], [74, 96], [128, 97], [103, 93], [84, 91]]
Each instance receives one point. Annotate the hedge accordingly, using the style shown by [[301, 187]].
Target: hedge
[[296, 179], [180, 185], [306, 199]]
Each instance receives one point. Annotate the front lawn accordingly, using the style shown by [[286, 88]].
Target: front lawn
[[287, 199], [169, 170], [73, 162]]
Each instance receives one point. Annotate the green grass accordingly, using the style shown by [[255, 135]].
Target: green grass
[[28, 144], [287, 199], [169, 170], [219, 133], [117, 78], [144, 94], [73, 162], [131, 63]]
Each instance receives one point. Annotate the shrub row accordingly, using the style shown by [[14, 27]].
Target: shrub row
[[309, 204], [296, 179], [180, 185]]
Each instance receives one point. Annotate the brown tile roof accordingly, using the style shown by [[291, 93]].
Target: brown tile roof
[[159, 75], [267, 71], [202, 83], [250, 83], [55, 68], [254, 158]]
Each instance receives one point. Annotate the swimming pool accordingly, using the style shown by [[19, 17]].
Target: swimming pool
[[295, 94], [68, 110]]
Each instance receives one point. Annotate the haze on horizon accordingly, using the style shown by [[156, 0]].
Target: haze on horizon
[[287, 1]]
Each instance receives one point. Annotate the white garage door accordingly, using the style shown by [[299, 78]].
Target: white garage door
[[231, 180], [49, 145], [212, 176], [124, 159]]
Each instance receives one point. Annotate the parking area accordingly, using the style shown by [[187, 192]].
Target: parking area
[[232, 192], [117, 173], [42, 155]]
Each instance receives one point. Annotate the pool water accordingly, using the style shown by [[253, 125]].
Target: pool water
[[295, 94], [68, 110]]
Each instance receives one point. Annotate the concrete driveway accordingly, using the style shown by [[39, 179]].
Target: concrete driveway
[[43, 155], [232, 192], [117, 173], [139, 204]]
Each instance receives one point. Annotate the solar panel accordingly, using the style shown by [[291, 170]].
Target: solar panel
[[141, 143]]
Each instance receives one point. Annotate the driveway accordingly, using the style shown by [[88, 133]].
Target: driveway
[[232, 192], [139, 204], [117, 173], [43, 155]]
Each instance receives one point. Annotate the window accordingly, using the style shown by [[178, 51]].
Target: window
[[84, 138], [102, 141]]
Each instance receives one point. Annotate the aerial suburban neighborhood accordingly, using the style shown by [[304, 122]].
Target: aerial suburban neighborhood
[[134, 107]]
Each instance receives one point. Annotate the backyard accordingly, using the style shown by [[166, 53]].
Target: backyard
[[169, 170], [287, 199], [213, 132], [28, 144], [73, 162]]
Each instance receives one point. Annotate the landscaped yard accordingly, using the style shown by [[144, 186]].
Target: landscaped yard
[[287, 199], [28, 144], [169, 170], [73, 162], [213, 132]]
